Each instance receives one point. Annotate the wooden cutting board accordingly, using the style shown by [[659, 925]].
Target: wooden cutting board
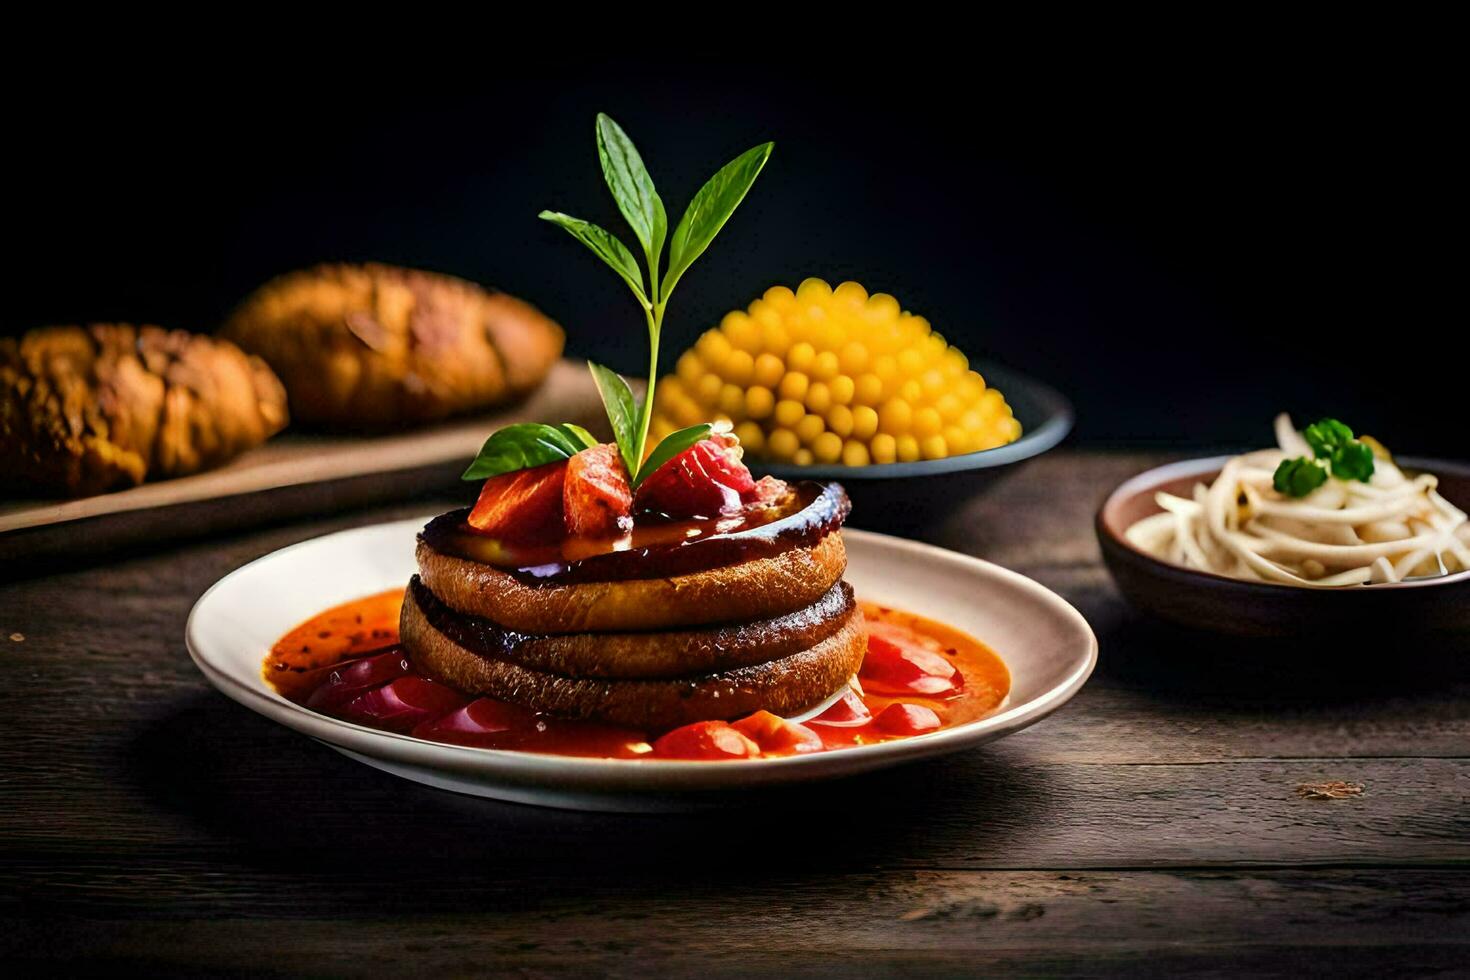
[[290, 476]]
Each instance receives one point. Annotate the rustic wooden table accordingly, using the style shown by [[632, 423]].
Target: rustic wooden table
[[1156, 824]]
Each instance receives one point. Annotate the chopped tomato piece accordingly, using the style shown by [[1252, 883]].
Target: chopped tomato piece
[[597, 501], [522, 506], [907, 719], [706, 480], [893, 666], [706, 740], [848, 711], [777, 736], [346, 681], [403, 704]]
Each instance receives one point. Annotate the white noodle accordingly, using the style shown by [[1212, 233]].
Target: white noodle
[[1345, 532]]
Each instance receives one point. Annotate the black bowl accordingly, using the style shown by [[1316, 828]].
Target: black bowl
[[1220, 604], [911, 498]]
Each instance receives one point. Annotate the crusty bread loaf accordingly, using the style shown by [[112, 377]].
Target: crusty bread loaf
[[785, 686], [89, 409], [378, 347], [756, 589]]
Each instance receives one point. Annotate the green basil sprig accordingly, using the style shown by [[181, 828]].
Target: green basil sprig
[[527, 444], [1338, 449], [632, 188]]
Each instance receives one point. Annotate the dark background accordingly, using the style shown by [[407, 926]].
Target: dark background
[[1184, 246]]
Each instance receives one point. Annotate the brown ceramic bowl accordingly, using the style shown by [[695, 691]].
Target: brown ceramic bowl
[[1204, 600]]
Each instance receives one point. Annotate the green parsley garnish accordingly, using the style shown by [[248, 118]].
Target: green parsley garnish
[[1334, 444]]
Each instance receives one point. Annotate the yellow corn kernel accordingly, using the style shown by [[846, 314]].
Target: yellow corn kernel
[[775, 339], [689, 369], [743, 333], [802, 457], [853, 357], [933, 447], [927, 423], [827, 447], [809, 428], [882, 308], [781, 298], [782, 444], [824, 366], [789, 412], [759, 403], [910, 362], [752, 439], [854, 453], [869, 390], [707, 391], [886, 368], [842, 388], [932, 380], [851, 294], [864, 422], [949, 406], [800, 356], [818, 397], [958, 440], [739, 367], [794, 386], [732, 401], [768, 370], [713, 348], [895, 417], [839, 420], [885, 448], [813, 291]]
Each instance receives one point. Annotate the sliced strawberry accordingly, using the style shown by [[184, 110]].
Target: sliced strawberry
[[522, 506], [706, 480], [907, 719], [597, 501]]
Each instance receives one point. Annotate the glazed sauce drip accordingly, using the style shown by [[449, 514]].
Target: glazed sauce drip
[[918, 676], [657, 547]]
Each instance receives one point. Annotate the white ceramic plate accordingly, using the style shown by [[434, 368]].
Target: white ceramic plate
[[1047, 645]]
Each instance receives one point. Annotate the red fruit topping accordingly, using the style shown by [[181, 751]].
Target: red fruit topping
[[705, 740], [847, 711], [403, 704], [777, 736], [477, 723], [907, 719], [347, 681], [522, 506], [706, 480], [767, 492], [597, 501], [894, 665]]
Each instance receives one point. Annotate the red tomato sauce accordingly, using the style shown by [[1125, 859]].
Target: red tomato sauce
[[919, 676]]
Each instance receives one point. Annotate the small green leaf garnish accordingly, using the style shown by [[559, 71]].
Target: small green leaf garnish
[[711, 208], [606, 246], [533, 444], [617, 398], [632, 188], [1350, 458], [527, 444], [1298, 477], [673, 444]]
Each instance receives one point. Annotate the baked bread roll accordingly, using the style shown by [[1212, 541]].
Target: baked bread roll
[[89, 409], [378, 347]]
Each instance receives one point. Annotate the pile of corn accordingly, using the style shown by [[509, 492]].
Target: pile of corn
[[827, 375]]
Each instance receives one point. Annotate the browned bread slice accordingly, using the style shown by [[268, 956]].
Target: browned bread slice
[[89, 409], [785, 686], [756, 589], [376, 346]]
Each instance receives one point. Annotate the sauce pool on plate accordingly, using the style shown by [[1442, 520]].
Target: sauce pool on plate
[[918, 676]]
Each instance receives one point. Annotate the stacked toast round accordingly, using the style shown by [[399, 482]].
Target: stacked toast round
[[653, 637]]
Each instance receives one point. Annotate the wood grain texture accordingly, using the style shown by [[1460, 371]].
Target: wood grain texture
[[147, 823]]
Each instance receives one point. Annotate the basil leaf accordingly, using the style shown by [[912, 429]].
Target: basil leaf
[[1326, 437], [622, 412], [607, 247], [710, 209], [522, 446], [1298, 477], [1353, 462], [674, 443], [632, 188], [579, 434]]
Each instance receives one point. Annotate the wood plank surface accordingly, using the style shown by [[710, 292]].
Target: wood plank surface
[[1154, 824]]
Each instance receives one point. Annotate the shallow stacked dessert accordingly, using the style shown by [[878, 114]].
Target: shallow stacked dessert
[[708, 596]]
